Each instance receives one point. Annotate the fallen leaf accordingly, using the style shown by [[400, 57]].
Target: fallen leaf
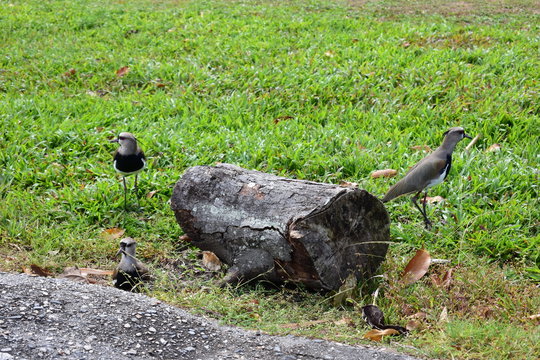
[[534, 317], [184, 238], [113, 233], [211, 261], [412, 325], [417, 267], [124, 70], [70, 73], [282, 118], [406, 44], [447, 278], [151, 194], [383, 173], [27, 271], [494, 147], [39, 271], [377, 335], [345, 321], [444, 315], [424, 148], [90, 271], [431, 200], [348, 184], [330, 53]]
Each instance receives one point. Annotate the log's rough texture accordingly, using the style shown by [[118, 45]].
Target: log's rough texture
[[279, 229]]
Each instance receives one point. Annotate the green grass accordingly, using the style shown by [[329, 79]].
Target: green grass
[[362, 81]]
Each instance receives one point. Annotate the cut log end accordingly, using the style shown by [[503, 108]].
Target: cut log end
[[278, 229]]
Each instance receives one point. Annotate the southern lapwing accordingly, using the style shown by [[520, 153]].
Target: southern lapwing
[[128, 160], [130, 272], [430, 171]]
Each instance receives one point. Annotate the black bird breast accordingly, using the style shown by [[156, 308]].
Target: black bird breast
[[129, 163], [127, 280]]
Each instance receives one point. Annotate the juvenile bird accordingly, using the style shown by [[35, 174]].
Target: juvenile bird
[[128, 160], [430, 171], [130, 272]]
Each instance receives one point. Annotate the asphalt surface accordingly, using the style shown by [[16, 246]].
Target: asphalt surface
[[45, 318]]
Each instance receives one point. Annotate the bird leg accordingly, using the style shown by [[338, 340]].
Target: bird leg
[[125, 193], [426, 220], [137, 191]]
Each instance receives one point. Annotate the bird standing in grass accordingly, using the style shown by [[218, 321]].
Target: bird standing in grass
[[130, 272], [430, 171], [128, 160]]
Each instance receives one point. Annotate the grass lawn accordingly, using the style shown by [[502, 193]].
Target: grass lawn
[[321, 90]]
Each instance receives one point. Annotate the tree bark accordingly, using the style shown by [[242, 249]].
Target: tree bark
[[278, 229]]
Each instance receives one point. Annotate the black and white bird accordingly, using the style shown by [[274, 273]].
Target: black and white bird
[[130, 273], [430, 171], [128, 160]]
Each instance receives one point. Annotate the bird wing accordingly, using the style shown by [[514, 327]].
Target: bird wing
[[417, 178]]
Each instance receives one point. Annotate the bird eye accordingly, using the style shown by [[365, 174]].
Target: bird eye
[[121, 138]]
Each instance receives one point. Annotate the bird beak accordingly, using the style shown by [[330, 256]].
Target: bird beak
[[113, 140], [467, 136], [121, 251]]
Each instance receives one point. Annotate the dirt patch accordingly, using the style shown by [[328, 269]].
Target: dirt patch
[[449, 8]]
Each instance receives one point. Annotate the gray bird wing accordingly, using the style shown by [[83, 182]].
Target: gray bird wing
[[417, 178]]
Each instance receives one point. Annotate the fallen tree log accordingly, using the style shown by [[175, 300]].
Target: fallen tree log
[[280, 229]]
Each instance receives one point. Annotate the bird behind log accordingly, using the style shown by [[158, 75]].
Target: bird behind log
[[430, 171], [130, 273]]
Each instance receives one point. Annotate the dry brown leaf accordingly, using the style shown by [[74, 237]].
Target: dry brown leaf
[[431, 200], [40, 271], [383, 173], [70, 73], [444, 315], [419, 315], [113, 233], [412, 325], [494, 147], [151, 194], [282, 118], [330, 53], [423, 148], [345, 321], [447, 278], [377, 335], [534, 317], [184, 238], [124, 70], [211, 261], [90, 271], [27, 271], [348, 184], [417, 267]]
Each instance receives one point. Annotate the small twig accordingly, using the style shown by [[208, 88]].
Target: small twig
[[440, 261], [473, 141]]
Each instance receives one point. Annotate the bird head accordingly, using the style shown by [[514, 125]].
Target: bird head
[[456, 134], [125, 139], [127, 247]]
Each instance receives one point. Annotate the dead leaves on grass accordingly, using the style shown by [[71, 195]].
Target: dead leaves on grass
[[417, 267], [383, 173], [377, 335]]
